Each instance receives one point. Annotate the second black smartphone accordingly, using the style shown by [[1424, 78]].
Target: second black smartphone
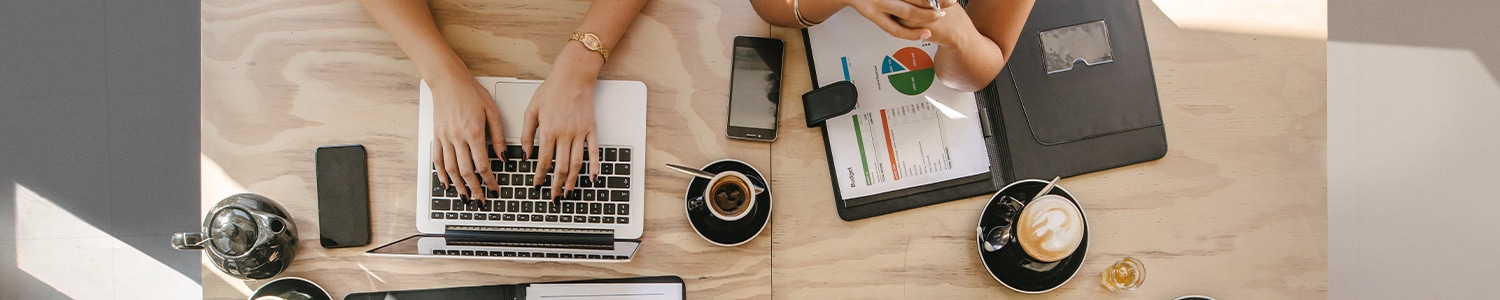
[[755, 89], [343, 196]]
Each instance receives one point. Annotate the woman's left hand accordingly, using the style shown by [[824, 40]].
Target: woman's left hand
[[561, 118]]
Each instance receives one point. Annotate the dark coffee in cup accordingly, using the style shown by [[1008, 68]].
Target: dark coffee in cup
[[729, 196]]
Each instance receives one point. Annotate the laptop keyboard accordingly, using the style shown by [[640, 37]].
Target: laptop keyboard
[[602, 201]]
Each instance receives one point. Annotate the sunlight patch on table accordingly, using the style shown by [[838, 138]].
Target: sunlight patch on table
[[1284, 18], [216, 184]]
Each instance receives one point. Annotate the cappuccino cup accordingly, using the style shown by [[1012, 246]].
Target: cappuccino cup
[[1048, 229], [729, 196]]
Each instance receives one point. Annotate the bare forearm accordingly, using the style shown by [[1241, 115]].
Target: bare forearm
[[608, 19], [410, 24], [780, 13], [970, 63], [984, 43]]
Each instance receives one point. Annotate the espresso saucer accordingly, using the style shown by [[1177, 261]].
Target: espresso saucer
[[1010, 265], [729, 233], [291, 288]]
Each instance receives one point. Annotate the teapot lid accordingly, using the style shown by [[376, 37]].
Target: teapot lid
[[232, 231]]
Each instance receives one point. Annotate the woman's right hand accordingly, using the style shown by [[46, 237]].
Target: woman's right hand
[[884, 13], [463, 116]]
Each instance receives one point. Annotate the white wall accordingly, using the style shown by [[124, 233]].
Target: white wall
[[1413, 173]]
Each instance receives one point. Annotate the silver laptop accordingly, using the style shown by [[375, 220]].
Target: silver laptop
[[601, 221]]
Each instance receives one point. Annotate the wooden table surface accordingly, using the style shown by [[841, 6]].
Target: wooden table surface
[[1237, 208]]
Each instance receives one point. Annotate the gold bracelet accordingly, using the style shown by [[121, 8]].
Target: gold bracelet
[[591, 42], [797, 10]]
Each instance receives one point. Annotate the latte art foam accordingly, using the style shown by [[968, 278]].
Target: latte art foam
[[1050, 228]]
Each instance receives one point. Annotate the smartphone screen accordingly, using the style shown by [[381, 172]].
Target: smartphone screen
[[755, 88], [343, 196]]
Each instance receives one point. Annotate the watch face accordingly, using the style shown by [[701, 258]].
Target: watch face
[[591, 41]]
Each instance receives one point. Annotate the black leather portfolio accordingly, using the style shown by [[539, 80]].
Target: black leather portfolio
[[1077, 96]]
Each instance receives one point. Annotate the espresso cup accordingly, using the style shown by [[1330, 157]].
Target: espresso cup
[[729, 196]]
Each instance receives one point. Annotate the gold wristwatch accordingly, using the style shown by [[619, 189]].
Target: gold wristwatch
[[591, 42]]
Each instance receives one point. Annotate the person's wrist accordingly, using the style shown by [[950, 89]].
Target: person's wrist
[[443, 68], [963, 32], [577, 63], [448, 79], [954, 39]]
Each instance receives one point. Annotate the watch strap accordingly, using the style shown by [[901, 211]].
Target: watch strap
[[597, 44]]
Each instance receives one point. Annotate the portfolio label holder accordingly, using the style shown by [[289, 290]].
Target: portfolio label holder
[[1087, 43]]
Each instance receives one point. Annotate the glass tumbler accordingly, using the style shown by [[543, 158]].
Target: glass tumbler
[[1126, 274]]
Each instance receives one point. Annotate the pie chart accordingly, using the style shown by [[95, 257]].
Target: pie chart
[[909, 70]]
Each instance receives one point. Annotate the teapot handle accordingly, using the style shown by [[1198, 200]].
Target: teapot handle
[[188, 241]]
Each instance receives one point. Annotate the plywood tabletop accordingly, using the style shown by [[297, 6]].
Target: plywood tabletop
[[281, 78], [1237, 208]]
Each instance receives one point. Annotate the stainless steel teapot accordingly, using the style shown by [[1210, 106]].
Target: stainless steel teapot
[[247, 236]]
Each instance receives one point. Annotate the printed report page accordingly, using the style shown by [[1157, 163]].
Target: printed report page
[[909, 129]]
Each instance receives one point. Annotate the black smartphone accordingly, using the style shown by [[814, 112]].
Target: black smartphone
[[343, 196], [755, 89]]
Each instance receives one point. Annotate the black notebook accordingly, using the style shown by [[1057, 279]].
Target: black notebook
[[641, 288], [1077, 96]]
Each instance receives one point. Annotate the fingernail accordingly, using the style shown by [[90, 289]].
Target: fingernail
[[942, 13], [926, 34]]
